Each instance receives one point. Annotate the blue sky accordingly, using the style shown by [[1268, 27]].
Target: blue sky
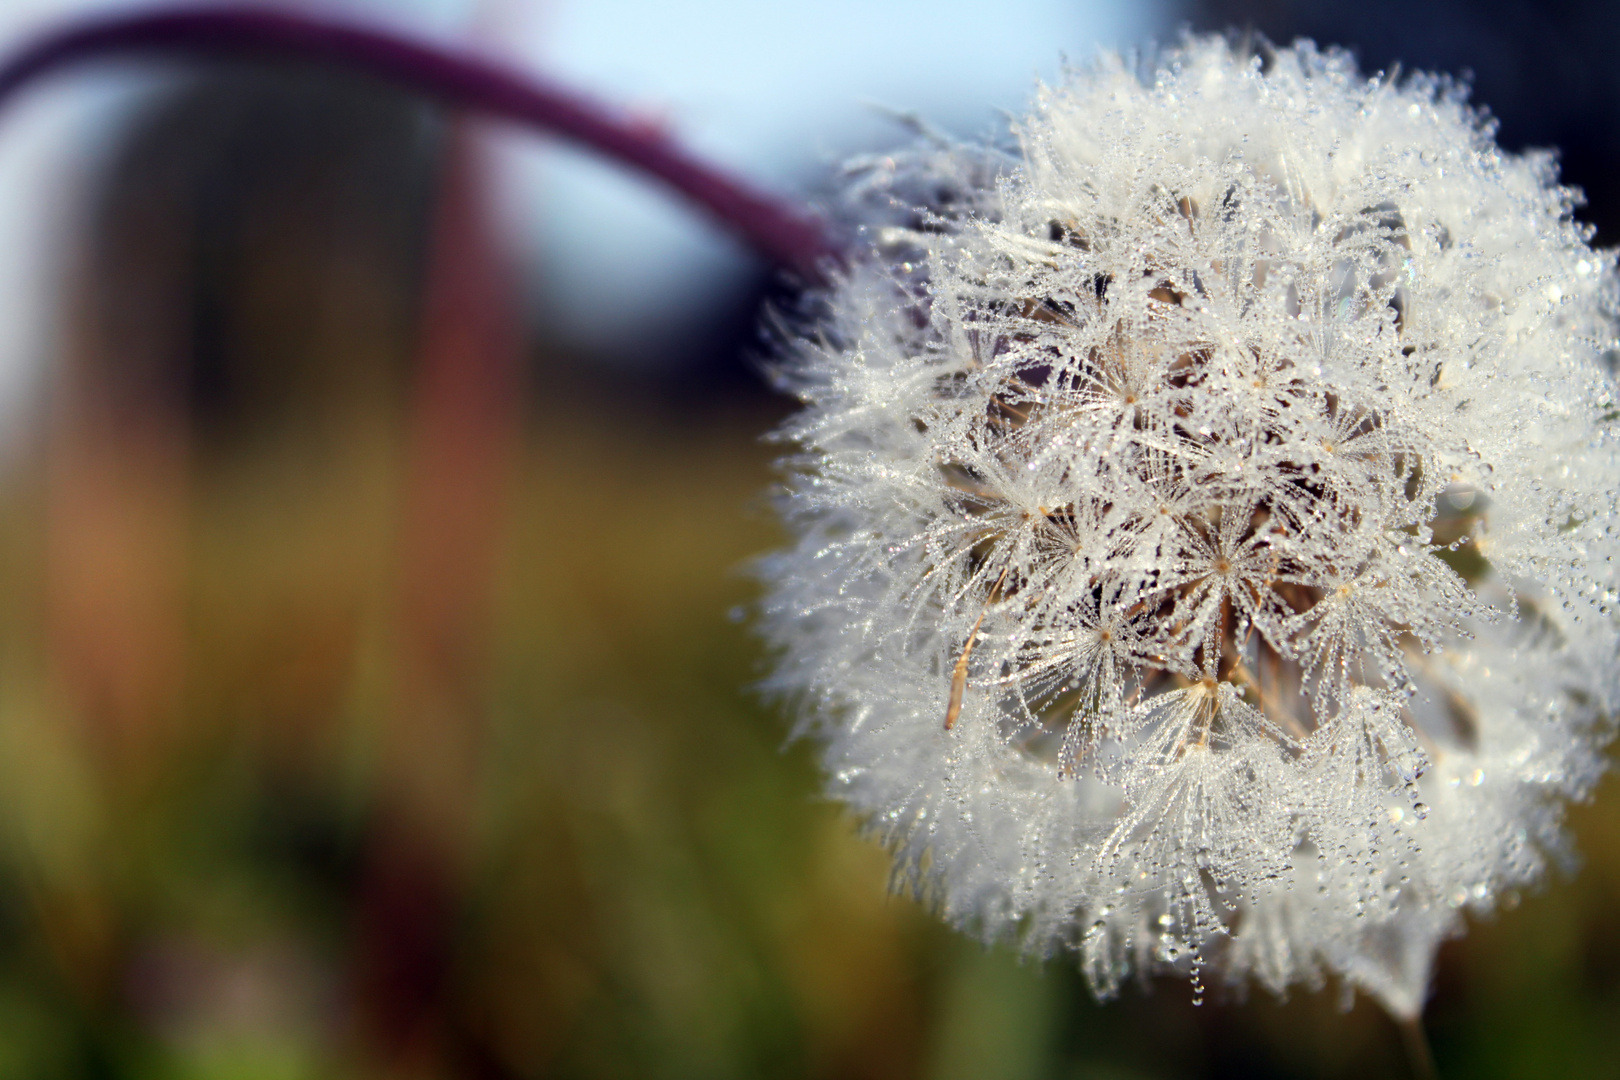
[[778, 92]]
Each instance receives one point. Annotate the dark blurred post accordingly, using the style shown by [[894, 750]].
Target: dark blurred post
[[116, 478], [246, 301], [463, 431]]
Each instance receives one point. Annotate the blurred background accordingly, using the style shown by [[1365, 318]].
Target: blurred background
[[377, 490]]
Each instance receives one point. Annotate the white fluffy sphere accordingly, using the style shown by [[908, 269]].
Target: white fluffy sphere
[[1205, 517]]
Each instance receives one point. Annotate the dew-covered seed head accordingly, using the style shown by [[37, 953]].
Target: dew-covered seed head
[[1188, 497]]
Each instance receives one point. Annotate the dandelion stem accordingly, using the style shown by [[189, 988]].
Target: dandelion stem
[[774, 228], [1418, 1053]]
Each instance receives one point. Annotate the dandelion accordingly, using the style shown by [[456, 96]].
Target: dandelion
[[1204, 518], [1205, 511]]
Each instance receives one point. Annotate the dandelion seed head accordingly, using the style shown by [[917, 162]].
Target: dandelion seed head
[[1234, 461]]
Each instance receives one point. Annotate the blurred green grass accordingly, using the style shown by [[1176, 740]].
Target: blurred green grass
[[649, 884]]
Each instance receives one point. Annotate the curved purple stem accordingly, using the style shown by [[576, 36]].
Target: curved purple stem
[[783, 234]]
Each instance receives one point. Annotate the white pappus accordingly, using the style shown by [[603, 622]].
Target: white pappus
[[1204, 517]]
